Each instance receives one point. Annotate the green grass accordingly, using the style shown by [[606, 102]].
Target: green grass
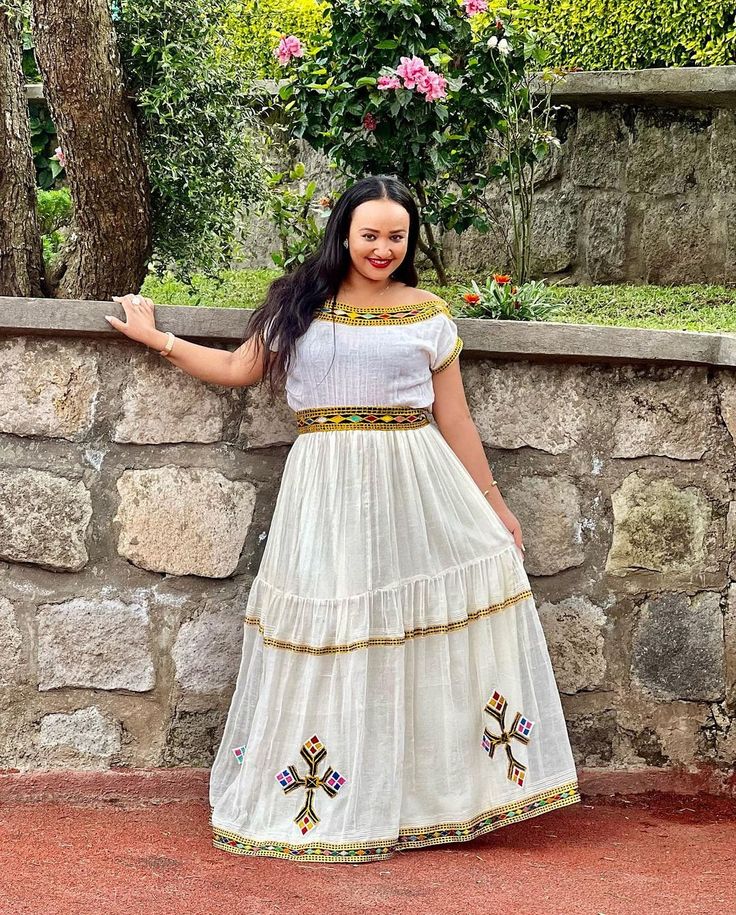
[[694, 307]]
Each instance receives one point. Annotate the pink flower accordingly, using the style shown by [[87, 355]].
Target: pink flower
[[389, 82], [369, 122], [475, 6], [433, 86], [289, 46], [59, 156], [411, 70]]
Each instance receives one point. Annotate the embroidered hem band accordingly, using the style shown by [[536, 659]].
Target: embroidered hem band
[[408, 838], [327, 419]]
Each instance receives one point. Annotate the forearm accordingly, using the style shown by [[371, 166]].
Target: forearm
[[203, 362], [462, 436]]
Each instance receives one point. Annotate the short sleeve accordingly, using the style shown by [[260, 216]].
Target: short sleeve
[[447, 343]]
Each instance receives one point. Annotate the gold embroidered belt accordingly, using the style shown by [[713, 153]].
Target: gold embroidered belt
[[327, 419]]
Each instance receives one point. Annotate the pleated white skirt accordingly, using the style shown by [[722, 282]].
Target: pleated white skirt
[[395, 689]]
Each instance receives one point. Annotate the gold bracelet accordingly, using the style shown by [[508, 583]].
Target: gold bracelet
[[169, 343], [485, 491]]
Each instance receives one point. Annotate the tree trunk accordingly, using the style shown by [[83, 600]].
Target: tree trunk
[[109, 242], [21, 259]]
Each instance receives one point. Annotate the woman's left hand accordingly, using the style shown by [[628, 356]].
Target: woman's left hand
[[513, 526]]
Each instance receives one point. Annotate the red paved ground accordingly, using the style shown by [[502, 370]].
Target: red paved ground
[[651, 853]]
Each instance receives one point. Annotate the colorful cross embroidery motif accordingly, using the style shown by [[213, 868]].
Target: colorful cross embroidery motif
[[313, 752], [239, 753], [521, 729]]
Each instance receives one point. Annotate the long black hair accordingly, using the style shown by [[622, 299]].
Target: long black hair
[[293, 299]]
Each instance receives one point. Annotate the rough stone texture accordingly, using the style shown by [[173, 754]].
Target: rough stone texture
[[635, 193], [623, 489], [86, 731], [604, 222], [592, 737], [549, 513], [43, 519], [527, 404], [161, 403], [103, 644], [207, 651], [47, 387], [193, 738], [266, 420], [727, 402], [184, 521], [676, 223], [660, 416], [11, 644], [678, 650], [659, 527], [575, 633]]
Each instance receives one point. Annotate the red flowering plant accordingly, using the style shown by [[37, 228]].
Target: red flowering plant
[[501, 298], [406, 87]]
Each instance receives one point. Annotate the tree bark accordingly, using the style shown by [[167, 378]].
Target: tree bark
[[21, 258], [109, 243]]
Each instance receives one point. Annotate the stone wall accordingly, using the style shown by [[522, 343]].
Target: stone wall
[[642, 189], [135, 504]]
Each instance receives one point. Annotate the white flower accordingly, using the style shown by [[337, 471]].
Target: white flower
[[504, 47], [492, 42]]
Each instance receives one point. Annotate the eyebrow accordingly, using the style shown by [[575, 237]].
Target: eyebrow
[[368, 228]]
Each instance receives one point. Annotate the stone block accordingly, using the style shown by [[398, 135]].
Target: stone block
[[47, 387], [598, 149], [676, 241], [518, 404], [161, 404], [593, 737], [267, 420], [193, 738], [603, 225], [11, 644], [43, 519], [86, 731], [663, 415], [183, 520], [660, 528], [574, 630], [207, 651], [95, 644], [548, 510], [677, 647], [667, 156]]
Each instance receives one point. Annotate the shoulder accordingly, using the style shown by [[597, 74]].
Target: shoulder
[[413, 295]]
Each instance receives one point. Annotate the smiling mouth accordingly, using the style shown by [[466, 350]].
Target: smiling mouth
[[378, 263]]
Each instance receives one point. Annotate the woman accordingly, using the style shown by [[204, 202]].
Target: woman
[[395, 689]]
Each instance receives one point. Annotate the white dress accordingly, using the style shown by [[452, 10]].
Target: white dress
[[395, 689]]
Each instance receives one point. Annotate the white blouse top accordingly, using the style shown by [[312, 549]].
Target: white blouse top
[[372, 356]]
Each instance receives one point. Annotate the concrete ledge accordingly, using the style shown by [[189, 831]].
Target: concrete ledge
[[682, 87], [546, 341], [685, 87]]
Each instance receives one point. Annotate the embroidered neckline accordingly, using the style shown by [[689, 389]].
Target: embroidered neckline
[[386, 308], [379, 316]]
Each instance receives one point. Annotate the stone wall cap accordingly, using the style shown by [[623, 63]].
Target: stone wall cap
[[539, 340]]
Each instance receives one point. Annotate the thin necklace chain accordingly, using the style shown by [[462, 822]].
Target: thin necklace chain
[[389, 286]]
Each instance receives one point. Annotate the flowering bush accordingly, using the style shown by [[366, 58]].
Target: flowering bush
[[500, 298], [299, 220], [419, 101]]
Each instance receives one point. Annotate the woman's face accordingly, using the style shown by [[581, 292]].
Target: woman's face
[[378, 237]]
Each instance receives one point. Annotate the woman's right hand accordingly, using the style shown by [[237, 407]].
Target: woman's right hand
[[140, 324]]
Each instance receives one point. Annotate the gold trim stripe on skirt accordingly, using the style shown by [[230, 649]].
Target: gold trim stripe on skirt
[[328, 419]]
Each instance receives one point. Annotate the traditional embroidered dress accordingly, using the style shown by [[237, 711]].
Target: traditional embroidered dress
[[395, 689]]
